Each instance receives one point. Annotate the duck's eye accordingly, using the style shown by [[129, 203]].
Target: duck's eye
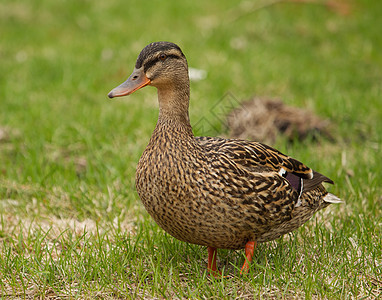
[[162, 56]]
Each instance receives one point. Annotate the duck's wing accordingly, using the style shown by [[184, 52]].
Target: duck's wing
[[258, 157]]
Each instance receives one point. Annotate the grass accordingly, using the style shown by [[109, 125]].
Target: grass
[[71, 224]]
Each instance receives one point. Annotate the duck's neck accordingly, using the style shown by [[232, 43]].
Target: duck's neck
[[173, 106]]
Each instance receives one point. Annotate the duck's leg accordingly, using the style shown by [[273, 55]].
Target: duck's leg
[[249, 250], [212, 253]]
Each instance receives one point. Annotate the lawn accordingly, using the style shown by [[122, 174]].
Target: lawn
[[71, 223]]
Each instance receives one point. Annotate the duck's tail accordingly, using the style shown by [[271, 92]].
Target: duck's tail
[[330, 198]]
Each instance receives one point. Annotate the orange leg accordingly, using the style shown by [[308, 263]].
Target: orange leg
[[212, 254], [249, 250]]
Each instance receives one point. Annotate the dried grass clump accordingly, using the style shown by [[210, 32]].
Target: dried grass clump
[[265, 119]]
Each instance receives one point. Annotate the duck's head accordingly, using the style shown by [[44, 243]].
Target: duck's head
[[160, 64]]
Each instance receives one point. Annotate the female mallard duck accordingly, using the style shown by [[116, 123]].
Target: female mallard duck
[[220, 193]]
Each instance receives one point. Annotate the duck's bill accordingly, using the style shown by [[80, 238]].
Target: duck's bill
[[136, 81]]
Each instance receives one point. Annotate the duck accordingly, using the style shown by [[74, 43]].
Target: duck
[[212, 191]]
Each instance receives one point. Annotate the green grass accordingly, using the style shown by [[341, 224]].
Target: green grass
[[71, 224]]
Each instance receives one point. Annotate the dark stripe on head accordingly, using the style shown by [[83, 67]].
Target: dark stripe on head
[[153, 61], [154, 48]]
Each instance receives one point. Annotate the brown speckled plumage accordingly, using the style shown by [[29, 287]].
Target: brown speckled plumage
[[210, 191]]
